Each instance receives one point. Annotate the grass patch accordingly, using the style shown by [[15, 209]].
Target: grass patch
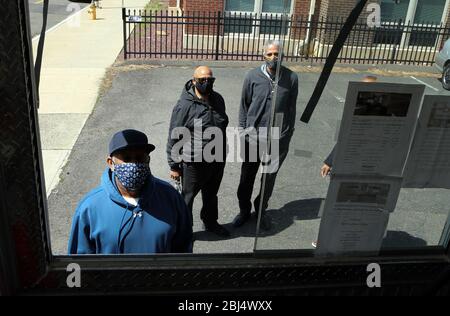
[[151, 8], [114, 70], [156, 5], [370, 70]]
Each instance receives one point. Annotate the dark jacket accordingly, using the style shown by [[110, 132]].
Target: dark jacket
[[330, 158], [190, 108], [104, 223], [256, 100]]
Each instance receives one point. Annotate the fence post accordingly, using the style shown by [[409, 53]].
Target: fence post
[[219, 14], [309, 35], [394, 50], [124, 20]]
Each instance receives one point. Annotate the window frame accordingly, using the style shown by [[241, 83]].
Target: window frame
[[256, 26], [27, 265], [410, 16]]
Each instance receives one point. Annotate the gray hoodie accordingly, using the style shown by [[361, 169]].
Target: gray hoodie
[[256, 101]]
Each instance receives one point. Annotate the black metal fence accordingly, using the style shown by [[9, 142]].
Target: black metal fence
[[226, 36]]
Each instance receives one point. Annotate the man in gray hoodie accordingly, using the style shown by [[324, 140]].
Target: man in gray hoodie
[[255, 113]]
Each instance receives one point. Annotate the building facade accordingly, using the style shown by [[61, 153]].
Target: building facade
[[406, 26], [416, 11]]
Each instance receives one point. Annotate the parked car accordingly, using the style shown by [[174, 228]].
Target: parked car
[[443, 64]]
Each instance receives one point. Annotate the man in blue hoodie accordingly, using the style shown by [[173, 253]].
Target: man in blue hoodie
[[132, 212]]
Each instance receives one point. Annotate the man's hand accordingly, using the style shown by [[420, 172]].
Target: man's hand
[[175, 175], [325, 171]]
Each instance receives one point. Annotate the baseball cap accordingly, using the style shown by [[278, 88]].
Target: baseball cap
[[129, 138]]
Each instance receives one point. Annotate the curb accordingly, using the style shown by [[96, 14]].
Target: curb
[[247, 64]]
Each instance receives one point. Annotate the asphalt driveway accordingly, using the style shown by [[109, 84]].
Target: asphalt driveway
[[143, 97]]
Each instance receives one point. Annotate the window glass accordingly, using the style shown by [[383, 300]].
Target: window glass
[[392, 11], [275, 6], [273, 26], [238, 24], [429, 11], [123, 89], [240, 5]]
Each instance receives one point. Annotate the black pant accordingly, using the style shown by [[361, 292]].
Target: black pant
[[204, 177], [248, 176]]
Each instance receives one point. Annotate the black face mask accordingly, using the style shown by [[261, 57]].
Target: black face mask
[[204, 88], [272, 64]]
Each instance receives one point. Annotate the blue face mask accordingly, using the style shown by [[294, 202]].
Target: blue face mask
[[132, 175]]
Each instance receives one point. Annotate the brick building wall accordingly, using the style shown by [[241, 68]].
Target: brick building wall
[[301, 7], [201, 15], [300, 22], [325, 9], [342, 8], [336, 11], [447, 22], [204, 5], [331, 10], [321, 9]]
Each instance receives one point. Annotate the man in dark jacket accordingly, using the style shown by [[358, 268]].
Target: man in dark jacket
[[132, 212], [255, 113], [328, 164], [199, 111]]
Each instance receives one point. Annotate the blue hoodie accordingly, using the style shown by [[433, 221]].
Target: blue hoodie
[[104, 223]]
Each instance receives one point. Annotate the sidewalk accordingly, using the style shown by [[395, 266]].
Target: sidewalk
[[77, 52]]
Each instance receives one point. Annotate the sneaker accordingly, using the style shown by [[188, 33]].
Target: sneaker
[[240, 219], [217, 229], [266, 223]]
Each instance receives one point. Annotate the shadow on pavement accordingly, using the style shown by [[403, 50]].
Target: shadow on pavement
[[400, 239], [281, 219]]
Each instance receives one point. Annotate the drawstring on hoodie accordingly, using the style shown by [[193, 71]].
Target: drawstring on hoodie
[[133, 217], [119, 240]]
